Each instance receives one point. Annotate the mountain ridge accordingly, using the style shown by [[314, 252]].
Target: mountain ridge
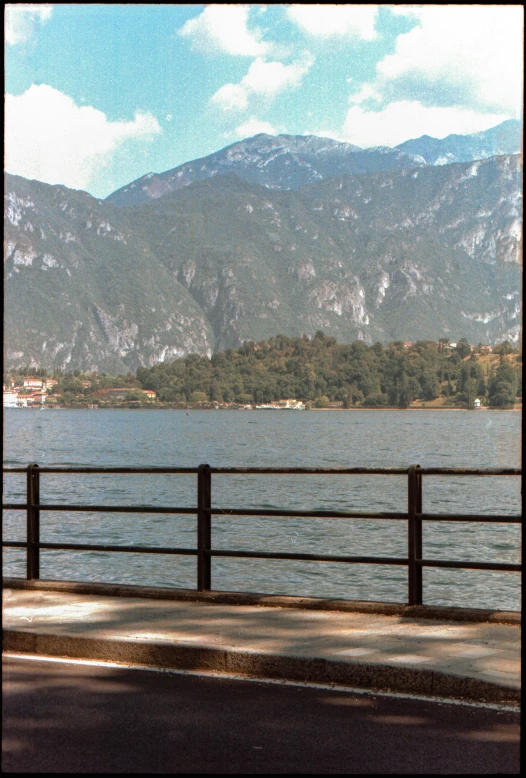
[[419, 252], [292, 161], [505, 138]]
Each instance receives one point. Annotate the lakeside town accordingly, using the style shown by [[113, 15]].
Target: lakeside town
[[465, 376]]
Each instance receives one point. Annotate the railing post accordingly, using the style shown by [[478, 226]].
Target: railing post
[[204, 528], [33, 523], [414, 499]]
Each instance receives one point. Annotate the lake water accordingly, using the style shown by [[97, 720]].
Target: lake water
[[273, 438]]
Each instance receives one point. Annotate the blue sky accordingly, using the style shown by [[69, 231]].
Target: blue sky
[[98, 95]]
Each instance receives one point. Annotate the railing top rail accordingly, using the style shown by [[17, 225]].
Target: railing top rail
[[217, 470], [455, 471], [309, 470], [470, 470], [103, 470]]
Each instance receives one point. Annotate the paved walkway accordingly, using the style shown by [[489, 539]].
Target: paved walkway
[[453, 659]]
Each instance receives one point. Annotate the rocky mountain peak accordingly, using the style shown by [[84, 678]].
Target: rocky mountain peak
[[279, 162]]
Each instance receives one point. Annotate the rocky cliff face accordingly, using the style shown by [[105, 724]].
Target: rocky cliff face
[[407, 254], [83, 290]]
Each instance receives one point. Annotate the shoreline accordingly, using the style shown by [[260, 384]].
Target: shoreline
[[193, 410]]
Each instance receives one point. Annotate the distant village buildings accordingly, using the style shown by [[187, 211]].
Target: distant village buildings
[[33, 391], [121, 393], [13, 399]]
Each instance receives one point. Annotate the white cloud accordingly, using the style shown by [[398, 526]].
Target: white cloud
[[21, 20], [231, 97], [270, 78], [254, 127], [263, 78], [399, 121], [331, 21], [468, 56], [224, 29], [50, 138]]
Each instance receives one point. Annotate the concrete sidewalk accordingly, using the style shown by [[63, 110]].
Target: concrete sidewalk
[[446, 658]]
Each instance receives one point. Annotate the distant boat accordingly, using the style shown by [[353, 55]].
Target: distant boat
[[287, 407]]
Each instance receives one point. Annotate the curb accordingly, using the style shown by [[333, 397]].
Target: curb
[[262, 665], [440, 612]]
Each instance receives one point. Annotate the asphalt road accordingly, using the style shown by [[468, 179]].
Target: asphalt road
[[60, 717]]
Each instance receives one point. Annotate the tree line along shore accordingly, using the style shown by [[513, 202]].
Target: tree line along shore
[[312, 373]]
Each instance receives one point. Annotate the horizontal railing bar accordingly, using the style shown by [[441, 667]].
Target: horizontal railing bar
[[103, 508], [110, 470], [513, 519], [309, 470], [308, 557], [303, 514], [497, 518], [505, 567], [470, 470], [490, 471], [467, 517], [129, 549], [218, 470], [470, 565]]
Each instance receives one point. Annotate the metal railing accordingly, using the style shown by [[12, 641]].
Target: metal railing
[[414, 516]]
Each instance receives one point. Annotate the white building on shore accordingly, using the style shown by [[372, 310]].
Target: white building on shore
[[14, 400]]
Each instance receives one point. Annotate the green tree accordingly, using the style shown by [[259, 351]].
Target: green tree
[[502, 389], [471, 392], [504, 348], [405, 393], [375, 400], [135, 397], [502, 395], [463, 348], [73, 385], [142, 374], [198, 397], [170, 394], [430, 384]]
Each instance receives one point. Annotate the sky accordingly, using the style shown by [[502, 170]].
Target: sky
[[98, 95]]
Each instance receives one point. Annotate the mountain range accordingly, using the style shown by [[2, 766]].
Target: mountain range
[[292, 161], [272, 235]]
